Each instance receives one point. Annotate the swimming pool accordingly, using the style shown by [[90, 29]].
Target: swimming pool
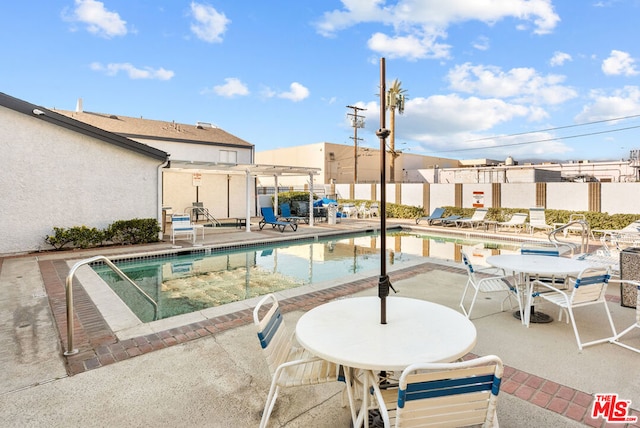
[[185, 283]]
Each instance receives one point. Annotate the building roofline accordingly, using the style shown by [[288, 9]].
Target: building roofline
[[54, 118]]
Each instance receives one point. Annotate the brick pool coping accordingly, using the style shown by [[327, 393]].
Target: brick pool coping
[[98, 346]]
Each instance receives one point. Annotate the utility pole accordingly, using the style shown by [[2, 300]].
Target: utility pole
[[356, 122]]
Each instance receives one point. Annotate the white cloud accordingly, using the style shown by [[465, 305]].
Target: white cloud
[[210, 24], [296, 93], [410, 46], [620, 103], [481, 43], [417, 25], [133, 72], [522, 84], [619, 63], [559, 58], [99, 21], [231, 88]]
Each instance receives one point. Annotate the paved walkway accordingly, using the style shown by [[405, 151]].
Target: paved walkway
[[211, 372]]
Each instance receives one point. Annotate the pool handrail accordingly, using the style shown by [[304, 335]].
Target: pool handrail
[[584, 235], [69, 295]]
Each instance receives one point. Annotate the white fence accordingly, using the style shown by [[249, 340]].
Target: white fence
[[612, 198]]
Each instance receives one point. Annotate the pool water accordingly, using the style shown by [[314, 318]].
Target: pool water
[[186, 283]]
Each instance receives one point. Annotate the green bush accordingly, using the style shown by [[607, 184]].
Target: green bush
[[123, 232], [59, 239], [290, 197]]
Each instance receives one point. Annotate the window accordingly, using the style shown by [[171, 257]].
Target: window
[[228, 156]]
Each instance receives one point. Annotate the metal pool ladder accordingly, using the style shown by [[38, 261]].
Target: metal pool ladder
[[69, 293]]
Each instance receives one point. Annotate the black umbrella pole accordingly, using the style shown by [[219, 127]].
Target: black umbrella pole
[[383, 133]]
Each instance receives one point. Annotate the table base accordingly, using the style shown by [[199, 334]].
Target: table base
[[536, 317]]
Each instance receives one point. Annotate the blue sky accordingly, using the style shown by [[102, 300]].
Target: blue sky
[[536, 79]]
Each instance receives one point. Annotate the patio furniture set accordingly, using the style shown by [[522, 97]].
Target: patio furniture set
[[394, 368]]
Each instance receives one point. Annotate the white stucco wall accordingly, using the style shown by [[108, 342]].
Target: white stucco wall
[[52, 176], [519, 195], [412, 194], [199, 152], [620, 198], [567, 196], [442, 195]]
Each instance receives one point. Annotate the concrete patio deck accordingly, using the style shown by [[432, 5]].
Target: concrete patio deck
[[211, 372]]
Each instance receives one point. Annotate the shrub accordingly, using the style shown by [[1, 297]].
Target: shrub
[[135, 231], [59, 239]]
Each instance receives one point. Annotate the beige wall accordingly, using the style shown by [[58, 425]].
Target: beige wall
[[179, 193]]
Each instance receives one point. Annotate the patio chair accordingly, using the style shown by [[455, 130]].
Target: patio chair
[[285, 213], [349, 210], [517, 222], [435, 215], [589, 288], [364, 211], [538, 220], [289, 365], [616, 339], [490, 284], [181, 225], [631, 228], [268, 217], [444, 394], [475, 220], [578, 227], [375, 209]]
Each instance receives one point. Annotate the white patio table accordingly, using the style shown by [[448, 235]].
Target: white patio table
[[349, 332], [527, 265]]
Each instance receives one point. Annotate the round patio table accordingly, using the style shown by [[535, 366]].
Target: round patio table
[[527, 265], [348, 332]]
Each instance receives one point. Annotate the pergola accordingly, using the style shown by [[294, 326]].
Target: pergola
[[251, 170]]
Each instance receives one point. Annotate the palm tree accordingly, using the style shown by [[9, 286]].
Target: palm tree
[[394, 100]]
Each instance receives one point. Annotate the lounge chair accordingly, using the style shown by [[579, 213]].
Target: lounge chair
[[285, 214], [435, 215], [268, 217], [475, 220], [538, 220], [517, 221], [447, 221], [628, 234], [181, 225]]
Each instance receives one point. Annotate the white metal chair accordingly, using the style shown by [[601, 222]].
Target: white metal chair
[[349, 210], [589, 288], [491, 284], [444, 394], [517, 222], [616, 339], [181, 225], [364, 211], [290, 365]]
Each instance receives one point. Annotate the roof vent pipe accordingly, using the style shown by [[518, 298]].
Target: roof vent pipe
[[79, 106]]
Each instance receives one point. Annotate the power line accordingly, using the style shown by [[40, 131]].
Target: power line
[[538, 141], [554, 129]]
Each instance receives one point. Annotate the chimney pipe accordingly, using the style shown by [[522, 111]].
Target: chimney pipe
[[79, 106]]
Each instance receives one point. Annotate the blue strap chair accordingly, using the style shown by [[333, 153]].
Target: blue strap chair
[[444, 394]]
